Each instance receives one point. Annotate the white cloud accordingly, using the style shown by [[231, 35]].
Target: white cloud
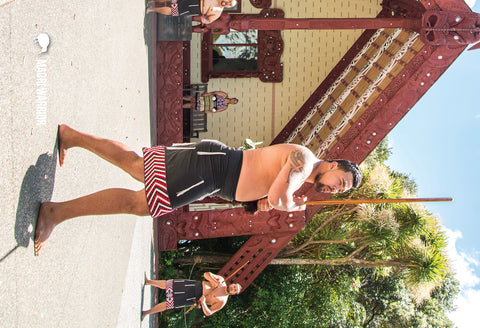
[[462, 263], [477, 116], [468, 302], [470, 3]]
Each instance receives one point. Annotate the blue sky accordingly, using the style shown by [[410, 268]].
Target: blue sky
[[438, 144]]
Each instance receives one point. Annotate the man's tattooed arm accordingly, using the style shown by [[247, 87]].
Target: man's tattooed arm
[[294, 173], [297, 165]]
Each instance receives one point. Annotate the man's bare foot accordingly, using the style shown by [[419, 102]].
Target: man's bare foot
[[147, 281], [143, 315], [45, 226], [62, 149], [64, 142]]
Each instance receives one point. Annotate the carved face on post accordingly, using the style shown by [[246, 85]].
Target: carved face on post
[[450, 28]]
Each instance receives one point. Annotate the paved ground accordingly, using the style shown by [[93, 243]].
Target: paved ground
[[95, 77]]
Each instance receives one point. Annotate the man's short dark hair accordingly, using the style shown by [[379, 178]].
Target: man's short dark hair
[[347, 166]]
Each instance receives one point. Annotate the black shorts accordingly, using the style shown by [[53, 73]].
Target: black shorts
[[195, 171], [189, 7], [181, 292]]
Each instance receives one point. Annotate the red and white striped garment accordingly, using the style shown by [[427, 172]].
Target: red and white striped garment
[[169, 295], [174, 8], [156, 181]]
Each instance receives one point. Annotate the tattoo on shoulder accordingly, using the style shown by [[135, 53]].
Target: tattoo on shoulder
[[297, 166]]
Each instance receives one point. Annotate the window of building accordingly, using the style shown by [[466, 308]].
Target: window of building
[[228, 53], [236, 51]]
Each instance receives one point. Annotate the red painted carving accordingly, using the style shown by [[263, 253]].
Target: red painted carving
[[234, 222], [447, 5], [169, 92], [403, 8], [166, 235], [169, 120], [270, 50], [272, 13], [186, 62], [261, 3], [259, 250], [450, 28]]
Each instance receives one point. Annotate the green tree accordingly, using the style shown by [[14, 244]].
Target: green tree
[[388, 302], [293, 297]]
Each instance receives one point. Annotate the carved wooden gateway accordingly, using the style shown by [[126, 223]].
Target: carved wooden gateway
[[381, 77]]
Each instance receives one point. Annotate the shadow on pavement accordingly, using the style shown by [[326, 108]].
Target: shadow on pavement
[[37, 187], [152, 319]]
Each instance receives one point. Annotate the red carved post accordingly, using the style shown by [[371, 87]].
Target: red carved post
[[259, 250], [437, 27], [169, 80], [235, 222], [169, 92], [325, 23]]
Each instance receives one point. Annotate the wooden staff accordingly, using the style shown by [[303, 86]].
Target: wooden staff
[[347, 201], [226, 279], [376, 201]]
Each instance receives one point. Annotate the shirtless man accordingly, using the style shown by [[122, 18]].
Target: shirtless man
[[210, 295], [270, 175], [210, 11]]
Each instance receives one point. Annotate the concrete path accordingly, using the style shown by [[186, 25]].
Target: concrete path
[[95, 77]]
